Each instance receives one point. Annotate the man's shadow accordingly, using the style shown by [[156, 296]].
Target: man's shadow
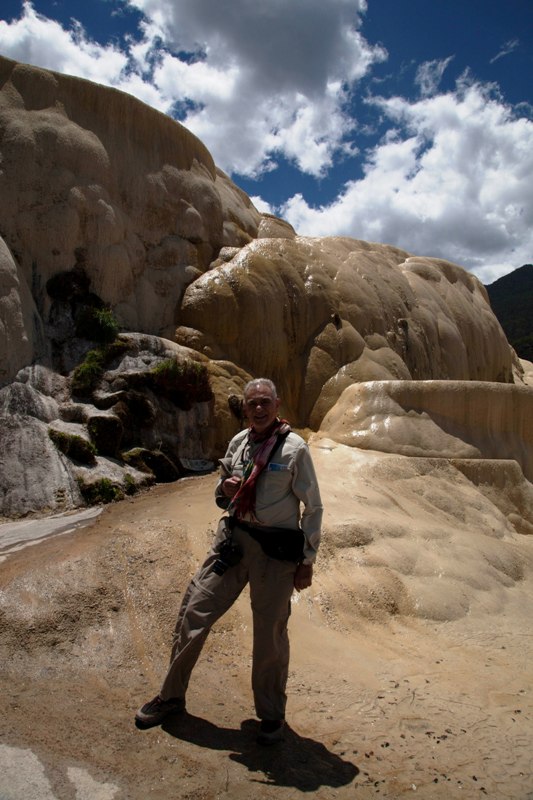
[[298, 762]]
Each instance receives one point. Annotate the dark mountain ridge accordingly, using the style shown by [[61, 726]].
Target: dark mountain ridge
[[511, 298]]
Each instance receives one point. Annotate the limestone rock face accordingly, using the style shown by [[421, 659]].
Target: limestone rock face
[[56, 449], [33, 473], [140, 289], [92, 177], [320, 314], [423, 536], [21, 329], [442, 419]]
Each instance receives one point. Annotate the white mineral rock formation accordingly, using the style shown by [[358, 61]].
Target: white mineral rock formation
[[108, 204]]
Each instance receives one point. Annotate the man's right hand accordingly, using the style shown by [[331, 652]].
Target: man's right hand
[[231, 485], [303, 577]]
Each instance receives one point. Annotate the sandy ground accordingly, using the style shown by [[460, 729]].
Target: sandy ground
[[383, 705]]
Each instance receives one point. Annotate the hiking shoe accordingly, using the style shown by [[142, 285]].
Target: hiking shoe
[[271, 731], [154, 712]]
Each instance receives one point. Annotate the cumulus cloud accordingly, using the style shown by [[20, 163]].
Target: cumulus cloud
[[452, 179], [266, 78], [280, 46]]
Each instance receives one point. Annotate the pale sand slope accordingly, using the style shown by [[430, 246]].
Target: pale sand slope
[[433, 700]]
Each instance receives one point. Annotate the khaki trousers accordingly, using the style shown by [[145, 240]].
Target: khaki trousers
[[209, 596]]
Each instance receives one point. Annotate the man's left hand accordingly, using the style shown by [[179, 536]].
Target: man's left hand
[[303, 577]]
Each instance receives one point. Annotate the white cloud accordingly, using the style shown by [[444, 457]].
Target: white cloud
[[34, 39], [429, 75], [262, 205], [286, 46], [453, 180], [506, 49], [271, 77]]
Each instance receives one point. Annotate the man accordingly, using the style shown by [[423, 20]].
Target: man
[[267, 541]]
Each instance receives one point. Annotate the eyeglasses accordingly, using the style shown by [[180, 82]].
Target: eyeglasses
[[264, 402]]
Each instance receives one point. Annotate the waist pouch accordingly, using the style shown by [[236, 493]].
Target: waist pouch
[[284, 544]]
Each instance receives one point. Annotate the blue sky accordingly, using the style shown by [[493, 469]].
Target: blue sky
[[408, 122]]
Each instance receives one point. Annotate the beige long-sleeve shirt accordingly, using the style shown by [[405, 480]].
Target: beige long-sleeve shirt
[[287, 493]]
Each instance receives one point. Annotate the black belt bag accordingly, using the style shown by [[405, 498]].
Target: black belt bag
[[284, 544]]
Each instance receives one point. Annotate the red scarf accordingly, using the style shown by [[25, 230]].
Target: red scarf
[[243, 501]]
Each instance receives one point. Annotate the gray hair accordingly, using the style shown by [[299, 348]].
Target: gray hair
[[261, 382]]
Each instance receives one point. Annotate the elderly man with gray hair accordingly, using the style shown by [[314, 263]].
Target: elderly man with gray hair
[[268, 539]]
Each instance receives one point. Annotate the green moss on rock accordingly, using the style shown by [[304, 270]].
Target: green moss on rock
[[100, 491], [73, 446], [106, 432], [182, 382], [86, 376], [97, 324]]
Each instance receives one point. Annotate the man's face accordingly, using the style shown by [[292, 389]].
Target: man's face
[[261, 407]]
